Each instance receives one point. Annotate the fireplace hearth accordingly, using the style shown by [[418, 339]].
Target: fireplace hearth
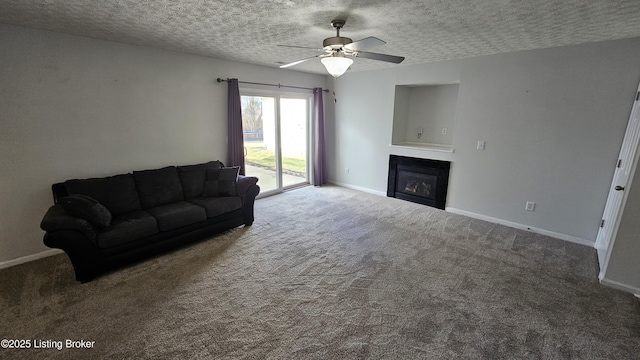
[[422, 181]]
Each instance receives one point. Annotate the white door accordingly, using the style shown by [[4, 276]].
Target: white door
[[613, 207]]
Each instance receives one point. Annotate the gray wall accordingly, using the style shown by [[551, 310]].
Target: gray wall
[[74, 107], [553, 121], [401, 106], [432, 108]]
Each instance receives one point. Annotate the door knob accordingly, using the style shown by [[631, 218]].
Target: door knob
[[619, 188]]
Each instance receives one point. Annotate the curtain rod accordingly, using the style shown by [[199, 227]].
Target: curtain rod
[[278, 85]]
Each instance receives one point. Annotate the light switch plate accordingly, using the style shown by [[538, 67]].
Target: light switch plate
[[480, 145], [530, 206]]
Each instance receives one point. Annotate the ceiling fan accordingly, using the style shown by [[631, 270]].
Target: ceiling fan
[[339, 50]]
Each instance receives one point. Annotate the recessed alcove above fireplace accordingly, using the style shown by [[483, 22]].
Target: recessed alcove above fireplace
[[424, 116], [422, 181]]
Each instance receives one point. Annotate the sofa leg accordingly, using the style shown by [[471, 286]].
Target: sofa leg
[[86, 265], [84, 278], [84, 272]]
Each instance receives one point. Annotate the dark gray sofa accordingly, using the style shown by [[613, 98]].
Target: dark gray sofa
[[103, 223]]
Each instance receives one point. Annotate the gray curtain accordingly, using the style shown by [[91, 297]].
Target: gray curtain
[[235, 138], [318, 161]]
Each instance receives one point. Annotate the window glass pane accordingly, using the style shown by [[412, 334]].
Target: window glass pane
[[259, 128], [293, 125]]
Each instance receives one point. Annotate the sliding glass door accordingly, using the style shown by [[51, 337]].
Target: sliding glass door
[[293, 140], [276, 140]]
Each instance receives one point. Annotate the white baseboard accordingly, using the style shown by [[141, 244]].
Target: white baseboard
[[28, 258], [363, 189], [620, 286], [556, 235]]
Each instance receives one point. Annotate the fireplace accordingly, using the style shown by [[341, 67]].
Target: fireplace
[[422, 181]]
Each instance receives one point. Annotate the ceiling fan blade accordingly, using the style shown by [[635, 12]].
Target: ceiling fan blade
[[301, 47], [297, 62], [382, 57], [365, 43]]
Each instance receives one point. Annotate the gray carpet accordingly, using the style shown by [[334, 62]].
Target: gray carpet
[[333, 273]]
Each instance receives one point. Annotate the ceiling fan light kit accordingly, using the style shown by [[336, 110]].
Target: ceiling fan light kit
[[336, 65], [339, 51]]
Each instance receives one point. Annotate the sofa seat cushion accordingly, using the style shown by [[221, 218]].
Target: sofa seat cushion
[[126, 228], [177, 215], [117, 193], [218, 205], [158, 187], [193, 177]]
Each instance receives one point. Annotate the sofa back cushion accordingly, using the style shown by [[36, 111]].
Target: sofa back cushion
[[158, 187], [193, 177], [117, 193], [221, 182]]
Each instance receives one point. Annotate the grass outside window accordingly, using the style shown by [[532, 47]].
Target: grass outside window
[[262, 157]]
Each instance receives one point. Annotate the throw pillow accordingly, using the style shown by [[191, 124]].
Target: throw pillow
[[193, 177], [221, 182], [87, 208]]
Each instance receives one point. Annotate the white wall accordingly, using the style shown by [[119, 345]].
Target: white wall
[[553, 122], [75, 107]]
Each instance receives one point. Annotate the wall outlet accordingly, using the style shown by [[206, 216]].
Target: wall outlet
[[444, 131], [530, 206], [346, 170], [480, 145]]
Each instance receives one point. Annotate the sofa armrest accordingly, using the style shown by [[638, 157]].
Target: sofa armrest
[[247, 189], [57, 219], [243, 184], [82, 252], [76, 237]]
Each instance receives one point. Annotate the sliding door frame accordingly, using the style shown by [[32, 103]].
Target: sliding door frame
[[277, 95]]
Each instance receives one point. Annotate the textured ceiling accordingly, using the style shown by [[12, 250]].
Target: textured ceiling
[[421, 30]]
